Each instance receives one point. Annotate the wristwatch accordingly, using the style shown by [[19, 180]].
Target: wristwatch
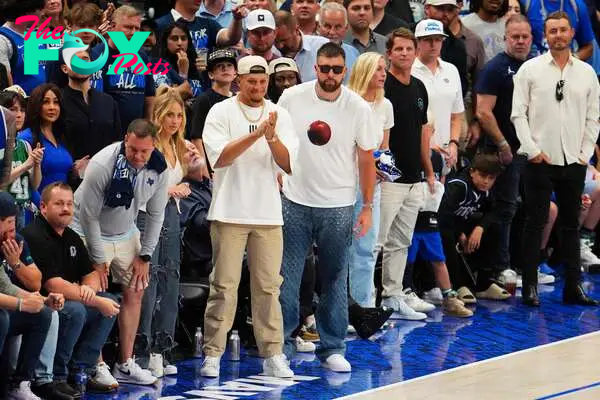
[[18, 265], [145, 258]]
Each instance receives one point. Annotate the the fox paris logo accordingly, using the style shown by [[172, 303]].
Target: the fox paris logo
[[34, 54]]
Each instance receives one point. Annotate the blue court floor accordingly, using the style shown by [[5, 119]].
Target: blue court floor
[[404, 351]]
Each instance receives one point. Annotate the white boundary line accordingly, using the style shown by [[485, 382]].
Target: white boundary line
[[477, 363]]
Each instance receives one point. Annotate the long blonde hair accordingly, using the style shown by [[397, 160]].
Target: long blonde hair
[[362, 72], [165, 97]]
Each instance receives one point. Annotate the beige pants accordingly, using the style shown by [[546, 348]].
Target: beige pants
[[265, 252], [120, 257]]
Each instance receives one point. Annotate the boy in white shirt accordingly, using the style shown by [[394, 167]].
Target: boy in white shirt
[[248, 140]]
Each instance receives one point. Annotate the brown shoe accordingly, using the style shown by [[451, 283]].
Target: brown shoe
[[453, 307], [309, 335]]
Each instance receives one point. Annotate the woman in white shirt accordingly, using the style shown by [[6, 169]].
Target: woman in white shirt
[[367, 79], [160, 303]]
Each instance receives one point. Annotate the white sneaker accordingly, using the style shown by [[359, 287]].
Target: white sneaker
[[337, 363], [587, 255], [277, 366], [304, 347], [155, 365], [401, 309], [351, 330], [434, 296], [103, 376], [170, 369], [131, 372], [22, 392], [413, 301], [545, 279], [211, 367]]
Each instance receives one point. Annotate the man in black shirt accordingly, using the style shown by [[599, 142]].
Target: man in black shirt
[[402, 199], [92, 118], [87, 317], [222, 67]]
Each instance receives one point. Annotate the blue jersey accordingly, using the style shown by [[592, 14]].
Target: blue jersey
[[27, 82]]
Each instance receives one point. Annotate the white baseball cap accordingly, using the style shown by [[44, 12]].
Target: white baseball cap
[[252, 65], [441, 3], [282, 64], [429, 27], [260, 19]]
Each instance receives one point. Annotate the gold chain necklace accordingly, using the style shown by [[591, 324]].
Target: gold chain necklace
[[252, 121]]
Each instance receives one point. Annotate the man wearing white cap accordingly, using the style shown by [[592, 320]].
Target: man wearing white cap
[[261, 34], [248, 140], [284, 74], [443, 88]]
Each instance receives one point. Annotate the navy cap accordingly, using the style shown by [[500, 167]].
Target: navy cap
[[8, 206]]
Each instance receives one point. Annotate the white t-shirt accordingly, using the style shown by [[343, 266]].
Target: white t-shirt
[[491, 33], [246, 192], [445, 97], [383, 117], [327, 176]]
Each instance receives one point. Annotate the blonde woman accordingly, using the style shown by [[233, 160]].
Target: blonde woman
[[367, 79], [159, 305]]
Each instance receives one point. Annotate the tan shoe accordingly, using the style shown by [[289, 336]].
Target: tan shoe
[[494, 292], [455, 308], [466, 296]]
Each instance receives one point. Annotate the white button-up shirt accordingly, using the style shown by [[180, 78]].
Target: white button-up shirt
[[445, 97], [564, 130]]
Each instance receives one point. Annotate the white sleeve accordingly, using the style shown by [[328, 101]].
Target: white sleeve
[[216, 133], [388, 112], [286, 133], [364, 123], [457, 106], [6, 51]]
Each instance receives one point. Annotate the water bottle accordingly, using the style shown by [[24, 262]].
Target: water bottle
[[234, 346], [81, 379], [198, 343]]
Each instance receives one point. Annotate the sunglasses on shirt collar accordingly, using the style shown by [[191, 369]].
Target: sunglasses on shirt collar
[[559, 92], [337, 69]]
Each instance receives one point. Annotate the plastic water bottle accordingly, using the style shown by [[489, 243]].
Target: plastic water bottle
[[198, 341], [509, 278], [234, 346], [81, 379]]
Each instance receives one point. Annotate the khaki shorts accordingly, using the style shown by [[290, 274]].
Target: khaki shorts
[[120, 256]]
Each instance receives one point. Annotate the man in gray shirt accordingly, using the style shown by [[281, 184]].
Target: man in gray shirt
[[120, 180]]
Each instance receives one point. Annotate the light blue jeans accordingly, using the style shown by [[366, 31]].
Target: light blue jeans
[[363, 255]]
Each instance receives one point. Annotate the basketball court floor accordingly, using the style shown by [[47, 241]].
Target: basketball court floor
[[506, 351]]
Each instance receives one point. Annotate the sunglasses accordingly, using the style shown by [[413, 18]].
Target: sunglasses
[[559, 93], [337, 69]]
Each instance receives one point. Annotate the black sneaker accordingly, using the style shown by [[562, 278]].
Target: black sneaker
[[367, 321], [56, 391]]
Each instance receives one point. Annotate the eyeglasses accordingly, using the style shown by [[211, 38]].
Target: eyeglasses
[[559, 93], [337, 69]]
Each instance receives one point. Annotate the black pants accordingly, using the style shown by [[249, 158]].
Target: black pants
[[539, 182]]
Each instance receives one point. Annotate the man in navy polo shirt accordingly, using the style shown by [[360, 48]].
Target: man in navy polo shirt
[[494, 90], [133, 93]]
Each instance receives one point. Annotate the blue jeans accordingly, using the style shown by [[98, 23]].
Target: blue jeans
[[34, 330], [45, 366], [82, 333], [363, 255], [331, 229], [160, 302], [506, 193]]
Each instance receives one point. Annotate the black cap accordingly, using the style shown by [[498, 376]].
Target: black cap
[[221, 55], [8, 205]]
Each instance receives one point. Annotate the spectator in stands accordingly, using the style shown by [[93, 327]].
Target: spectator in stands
[[514, 7], [294, 44], [305, 12], [367, 79], [177, 49], [555, 93], [401, 9], [92, 118], [88, 315], [12, 42], [84, 16], [218, 10], [244, 214], [119, 181], [333, 25], [21, 312], [8, 133], [486, 21], [466, 219], [360, 35], [160, 302], [283, 74], [53, 9], [384, 23], [149, 25], [46, 128], [589, 218], [260, 25], [133, 93]]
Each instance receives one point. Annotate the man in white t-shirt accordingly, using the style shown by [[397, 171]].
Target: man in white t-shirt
[[333, 126], [248, 140], [487, 22], [443, 89]]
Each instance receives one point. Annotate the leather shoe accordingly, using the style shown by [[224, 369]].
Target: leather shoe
[[367, 321], [576, 295], [56, 391], [530, 296]]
